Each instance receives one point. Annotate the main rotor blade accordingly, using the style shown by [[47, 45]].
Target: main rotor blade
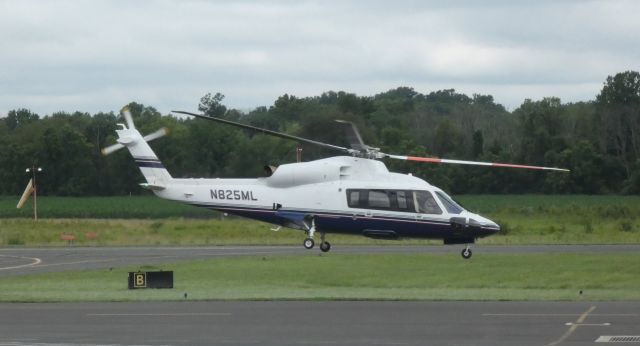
[[353, 136], [476, 163], [269, 132]]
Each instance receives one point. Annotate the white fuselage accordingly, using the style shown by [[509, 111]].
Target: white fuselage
[[320, 189]]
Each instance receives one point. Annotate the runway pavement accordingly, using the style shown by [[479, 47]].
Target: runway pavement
[[317, 323], [303, 322], [25, 261]]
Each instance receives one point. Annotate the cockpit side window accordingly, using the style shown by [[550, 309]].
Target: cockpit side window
[[451, 206], [425, 203]]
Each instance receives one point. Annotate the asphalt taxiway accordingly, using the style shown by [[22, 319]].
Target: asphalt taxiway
[[25, 261], [302, 322], [317, 323]]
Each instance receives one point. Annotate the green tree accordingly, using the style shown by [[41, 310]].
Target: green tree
[[478, 144], [541, 129], [66, 158], [447, 138], [20, 117], [619, 109], [211, 105]]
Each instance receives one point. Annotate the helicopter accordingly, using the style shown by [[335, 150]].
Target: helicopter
[[353, 193]]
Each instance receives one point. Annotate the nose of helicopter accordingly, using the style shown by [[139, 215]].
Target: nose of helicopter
[[488, 226]]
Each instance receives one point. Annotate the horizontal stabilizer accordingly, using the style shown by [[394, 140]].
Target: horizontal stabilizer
[[153, 187]]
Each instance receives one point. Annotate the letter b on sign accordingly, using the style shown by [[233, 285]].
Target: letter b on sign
[[139, 280]]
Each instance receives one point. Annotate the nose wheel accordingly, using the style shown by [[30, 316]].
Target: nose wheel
[[466, 253]]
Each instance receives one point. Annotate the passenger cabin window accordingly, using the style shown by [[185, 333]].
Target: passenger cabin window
[[354, 198], [397, 200], [379, 199], [401, 197]]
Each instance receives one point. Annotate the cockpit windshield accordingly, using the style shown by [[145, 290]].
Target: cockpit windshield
[[449, 204]]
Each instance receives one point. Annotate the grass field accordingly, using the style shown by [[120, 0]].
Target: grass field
[[380, 276], [134, 207], [150, 207], [146, 220]]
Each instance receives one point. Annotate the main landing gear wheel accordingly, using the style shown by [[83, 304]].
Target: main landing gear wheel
[[325, 246], [466, 253], [309, 243]]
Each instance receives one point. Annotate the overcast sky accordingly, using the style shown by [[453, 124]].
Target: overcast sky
[[99, 55]]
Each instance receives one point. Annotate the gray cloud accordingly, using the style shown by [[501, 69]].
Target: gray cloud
[[99, 55]]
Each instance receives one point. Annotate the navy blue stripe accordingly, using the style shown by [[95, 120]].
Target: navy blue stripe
[[345, 223], [152, 164], [229, 208]]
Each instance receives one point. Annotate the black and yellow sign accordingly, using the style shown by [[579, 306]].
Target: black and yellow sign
[[160, 279], [139, 280]]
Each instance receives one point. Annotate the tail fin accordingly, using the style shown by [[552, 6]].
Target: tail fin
[[154, 172]]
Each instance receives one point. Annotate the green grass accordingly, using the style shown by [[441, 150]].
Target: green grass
[[114, 232], [589, 205], [147, 220], [150, 207], [378, 276], [133, 207]]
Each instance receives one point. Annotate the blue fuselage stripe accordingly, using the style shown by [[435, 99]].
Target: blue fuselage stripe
[[352, 224]]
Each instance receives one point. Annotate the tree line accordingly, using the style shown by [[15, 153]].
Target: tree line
[[598, 140]]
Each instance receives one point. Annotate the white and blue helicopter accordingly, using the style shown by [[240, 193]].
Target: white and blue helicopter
[[350, 194]]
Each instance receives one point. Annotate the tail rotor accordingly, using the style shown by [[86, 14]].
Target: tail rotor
[[124, 141], [128, 118]]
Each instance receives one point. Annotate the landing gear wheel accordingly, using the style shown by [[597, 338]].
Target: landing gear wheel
[[325, 246], [308, 243], [466, 253]]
